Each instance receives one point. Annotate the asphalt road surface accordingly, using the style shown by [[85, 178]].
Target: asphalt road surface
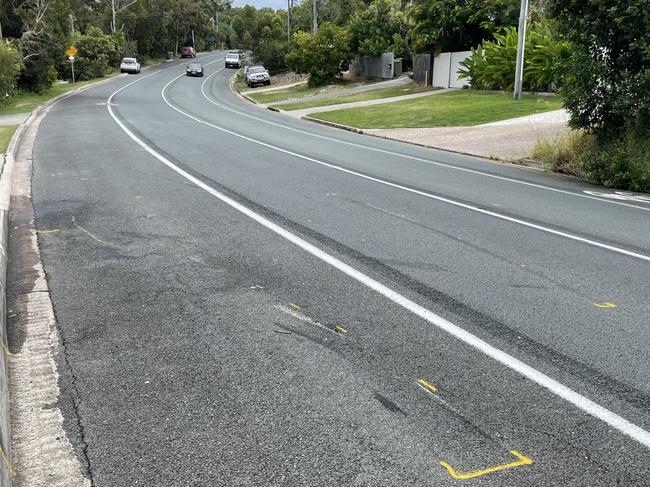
[[246, 299]]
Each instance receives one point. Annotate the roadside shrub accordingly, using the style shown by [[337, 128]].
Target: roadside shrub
[[320, 55], [97, 54], [10, 67], [622, 162], [492, 64], [565, 153], [39, 75], [615, 162]]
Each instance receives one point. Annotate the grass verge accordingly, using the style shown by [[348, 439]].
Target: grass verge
[[6, 133], [26, 101], [459, 108], [368, 95]]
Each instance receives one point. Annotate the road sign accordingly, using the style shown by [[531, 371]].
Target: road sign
[[71, 52], [71, 59]]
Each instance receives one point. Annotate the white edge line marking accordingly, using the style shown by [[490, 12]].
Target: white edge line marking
[[569, 236], [587, 405], [414, 158]]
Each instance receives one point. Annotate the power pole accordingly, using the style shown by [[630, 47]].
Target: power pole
[[314, 27], [521, 46], [288, 20], [72, 23]]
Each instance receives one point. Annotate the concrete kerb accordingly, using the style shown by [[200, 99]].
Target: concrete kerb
[[6, 182]]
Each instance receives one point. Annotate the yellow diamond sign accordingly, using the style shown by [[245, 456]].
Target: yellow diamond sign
[[72, 51]]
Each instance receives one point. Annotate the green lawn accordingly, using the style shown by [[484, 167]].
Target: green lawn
[[6, 132], [296, 92], [26, 101], [368, 95], [458, 108]]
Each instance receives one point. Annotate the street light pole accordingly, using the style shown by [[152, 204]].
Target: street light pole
[[314, 18], [521, 45]]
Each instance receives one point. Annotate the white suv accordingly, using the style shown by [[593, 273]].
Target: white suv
[[130, 65]]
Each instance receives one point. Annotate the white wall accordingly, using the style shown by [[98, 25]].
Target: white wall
[[445, 69]]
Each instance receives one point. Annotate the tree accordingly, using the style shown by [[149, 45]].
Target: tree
[[458, 25], [10, 67], [382, 27], [608, 88], [320, 55]]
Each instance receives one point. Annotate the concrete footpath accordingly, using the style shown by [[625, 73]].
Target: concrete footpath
[[16, 119]]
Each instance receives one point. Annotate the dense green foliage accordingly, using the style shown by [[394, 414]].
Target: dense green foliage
[[320, 55], [382, 27], [607, 89], [458, 25], [492, 64], [10, 67]]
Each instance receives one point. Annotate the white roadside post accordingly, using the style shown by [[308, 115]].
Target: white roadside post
[[71, 59], [521, 44]]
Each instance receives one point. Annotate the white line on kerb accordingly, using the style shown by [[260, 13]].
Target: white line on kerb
[[415, 158], [587, 405], [541, 228]]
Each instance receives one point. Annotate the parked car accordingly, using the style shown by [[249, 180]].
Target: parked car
[[194, 69], [233, 60], [257, 75], [130, 65], [188, 51]]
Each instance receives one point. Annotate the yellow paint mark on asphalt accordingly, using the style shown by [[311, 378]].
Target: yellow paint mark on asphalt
[[294, 306], [7, 463], [522, 460], [605, 305], [427, 385], [496, 205], [258, 286], [330, 194], [6, 349], [341, 330], [53, 230]]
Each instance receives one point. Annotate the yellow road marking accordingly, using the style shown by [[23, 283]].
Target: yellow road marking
[[294, 306], [54, 230], [330, 194], [6, 461], [523, 460], [427, 385], [258, 286], [605, 305], [341, 330]]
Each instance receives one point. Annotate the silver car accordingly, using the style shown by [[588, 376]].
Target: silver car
[[257, 75]]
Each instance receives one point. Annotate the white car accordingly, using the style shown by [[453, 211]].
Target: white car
[[257, 75], [130, 65]]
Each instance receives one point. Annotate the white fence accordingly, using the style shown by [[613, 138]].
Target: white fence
[[445, 70]]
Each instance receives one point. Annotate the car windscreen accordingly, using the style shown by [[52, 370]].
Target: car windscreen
[[195, 66], [128, 61], [256, 70], [232, 56]]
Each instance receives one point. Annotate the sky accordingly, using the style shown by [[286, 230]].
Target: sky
[[261, 3]]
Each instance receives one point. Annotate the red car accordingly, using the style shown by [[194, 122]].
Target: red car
[[188, 51]]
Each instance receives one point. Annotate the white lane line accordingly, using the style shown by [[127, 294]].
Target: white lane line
[[587, 405], [493, 214], [415, 158]]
